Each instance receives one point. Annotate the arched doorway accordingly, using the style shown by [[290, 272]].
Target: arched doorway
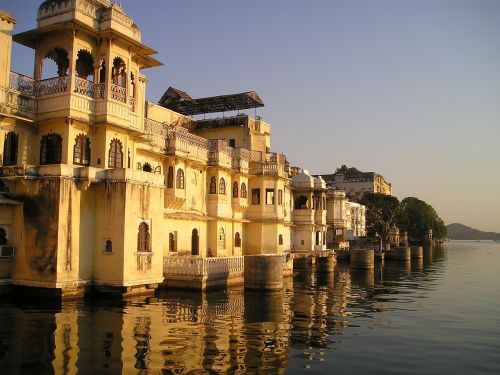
[[221, 239], [143, 238], [195, 242], [3, 236], [172, 247]]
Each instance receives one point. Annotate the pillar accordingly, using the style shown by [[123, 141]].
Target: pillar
[[264, 272], [362, 258]]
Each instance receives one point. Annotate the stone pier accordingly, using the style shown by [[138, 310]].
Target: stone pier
[[399, 253], [264, 272], [362, 258], [417, 252], [326, 264]]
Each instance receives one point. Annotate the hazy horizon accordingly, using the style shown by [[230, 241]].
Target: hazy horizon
[[407, 89]]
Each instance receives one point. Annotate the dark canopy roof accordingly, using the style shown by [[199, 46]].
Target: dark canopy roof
[[180, 101]]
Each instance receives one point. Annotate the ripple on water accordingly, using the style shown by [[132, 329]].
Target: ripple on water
[[436, 316]]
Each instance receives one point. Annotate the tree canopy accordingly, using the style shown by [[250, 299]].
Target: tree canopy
[[416, 217], [381, 213], [344, 169], [411, 214]]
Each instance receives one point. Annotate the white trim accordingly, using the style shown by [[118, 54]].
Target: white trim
[[128, 283], [51, 284], [66, 284]]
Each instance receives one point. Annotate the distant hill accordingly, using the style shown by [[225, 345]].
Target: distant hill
[[458, 231]]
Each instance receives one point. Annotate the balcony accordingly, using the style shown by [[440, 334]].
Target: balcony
[[241, 160], [201, 273], [320, 217], [267, 164], [19, 97], [303, 216], [220, 154], [7, 251], [181, 143], [51, 98], [156, 134]]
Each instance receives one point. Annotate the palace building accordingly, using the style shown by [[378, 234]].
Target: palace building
[[100, 188]]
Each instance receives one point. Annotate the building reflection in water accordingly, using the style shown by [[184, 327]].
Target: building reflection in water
[[180, 332]]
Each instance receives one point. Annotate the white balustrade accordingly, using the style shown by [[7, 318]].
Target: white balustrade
[[203, 267]]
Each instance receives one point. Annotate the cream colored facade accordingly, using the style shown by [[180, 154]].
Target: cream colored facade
[[309, 214], [356, 185], [337, 206], [356, 220], [118, 192], [346, 220]]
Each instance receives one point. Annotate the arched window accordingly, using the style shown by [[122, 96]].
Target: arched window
[[60, 57], [3, 236], [147, 168], [195, 242], [119, 80], [81, 150], [115, 154], [171, 243], [50, 149], [179, 183], [243, 190], [143, 238], [108, 246], [301, 202], [222, 186], [280, 239], [157, 169], [213, 186], [119, 72], [170, 177], [132, 85], [237, 240], [85, 65], [235, 190], [10, 149], [102, 72], [317, 238], [221, 239]]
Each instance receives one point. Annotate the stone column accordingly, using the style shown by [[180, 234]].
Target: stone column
[[264, 272], [362, 258]]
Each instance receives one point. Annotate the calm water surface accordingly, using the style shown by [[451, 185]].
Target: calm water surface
[[436, 316]]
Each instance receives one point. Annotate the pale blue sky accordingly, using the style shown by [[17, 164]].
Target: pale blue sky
[[409, 89]]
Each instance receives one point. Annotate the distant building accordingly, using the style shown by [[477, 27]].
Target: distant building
[[356, 185], [346, 220], [356, 220], [309, 212]]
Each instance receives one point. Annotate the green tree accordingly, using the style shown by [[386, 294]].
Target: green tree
[[416, 217], [344, 169], [381, 213]]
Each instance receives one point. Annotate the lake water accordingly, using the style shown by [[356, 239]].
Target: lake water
[[440, 315]]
